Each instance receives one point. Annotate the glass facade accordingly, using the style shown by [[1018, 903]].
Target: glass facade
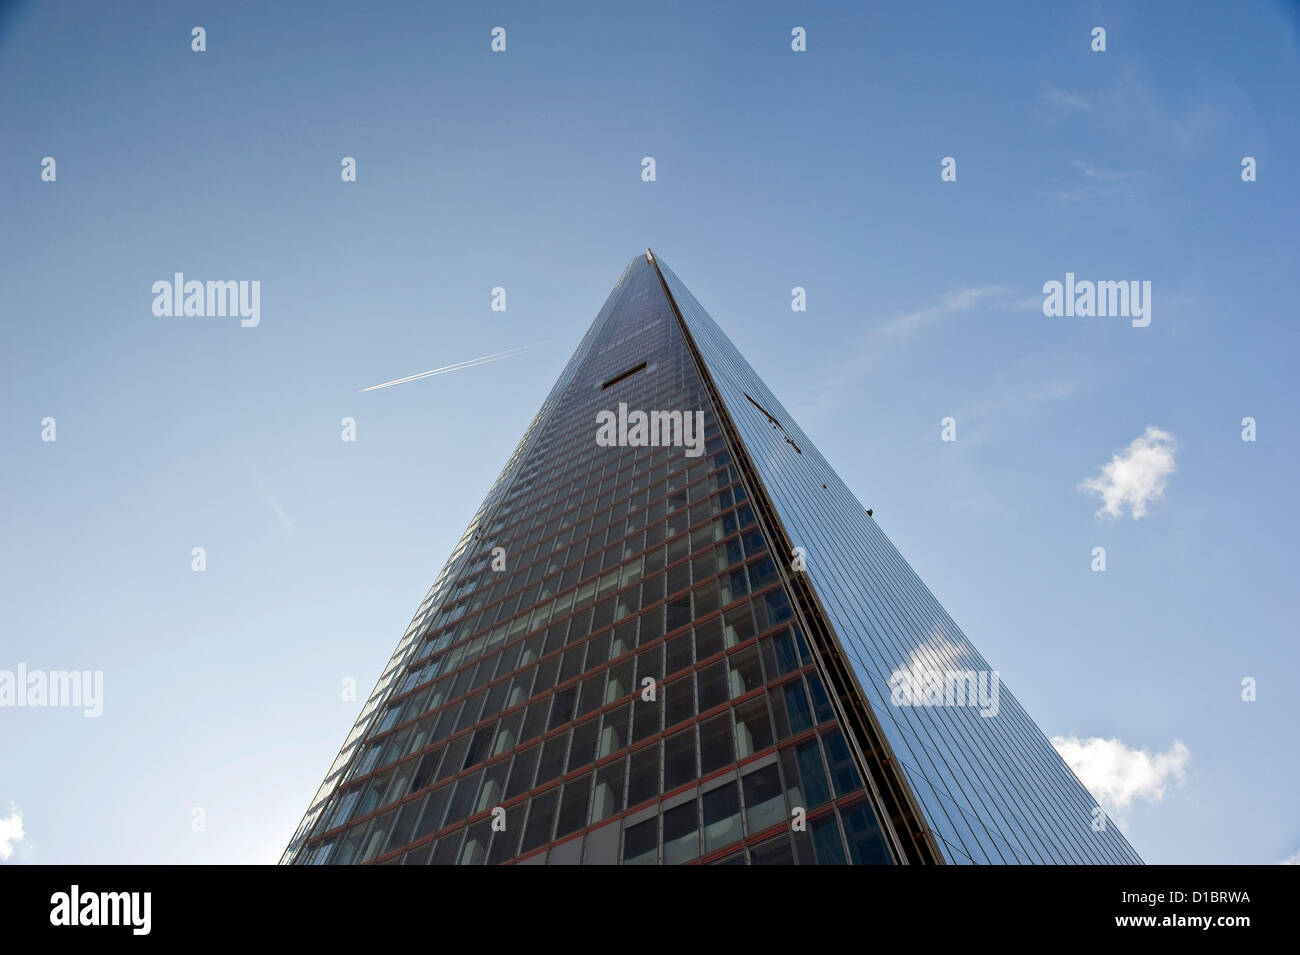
[[991, 787], [620, 665]]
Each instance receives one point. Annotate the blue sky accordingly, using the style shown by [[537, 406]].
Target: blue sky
[[522, 170]]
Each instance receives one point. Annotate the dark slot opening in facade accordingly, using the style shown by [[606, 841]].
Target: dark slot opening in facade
[[764, 410], [627, 374]]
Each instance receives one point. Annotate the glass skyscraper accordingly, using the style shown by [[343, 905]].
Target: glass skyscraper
[[657, 644]]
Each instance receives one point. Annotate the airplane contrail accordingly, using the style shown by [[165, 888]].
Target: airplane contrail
[[508, 353]]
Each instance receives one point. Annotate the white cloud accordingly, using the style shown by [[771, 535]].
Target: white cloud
[[873, 343], [1096, 172], [1290, 860], [1099, 183], [1130, 105], [935, 655], [1118, 775], [11, 831], [1064, 102], [1135, 476], [959, 300]]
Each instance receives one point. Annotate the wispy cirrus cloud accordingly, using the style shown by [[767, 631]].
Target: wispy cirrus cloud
[[1104, 175], [903, 327], [957, 301], [1060, 103], [1131, 105], [1098, 182], [1023, 391], [1135, 476]]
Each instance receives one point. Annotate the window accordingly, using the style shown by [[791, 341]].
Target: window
[[478, 745], [474, 851], [562, 710], [646, 716], [406, 817], [434, 809], [535, 719], [640, 843], [347, 846], [494, 784], [713, 685], [505, 841], [821, 702], [753, 728], [843, 773], [796, 705], [679, 652], [679, 612], [507, 732], [446, 849], [764, 803], [681, 842], [375, 792], [679, 759], [620, 681], [721, 808], [787, 655], [745, 672], [773, 852], [598, 650], [541, 814], [573, 806], [613, 731], [708, 638], [462, 800], [521, 772], [826, 841], [643, 775], [812, 774], [706, 599], [716, 747], [679, 701], [546, 671], [552, 762], [582, 749], [607, 799], [375, 838], [866, 844], [344, 808], [571, 664], [520, 688], [739, 625], [424, 771]]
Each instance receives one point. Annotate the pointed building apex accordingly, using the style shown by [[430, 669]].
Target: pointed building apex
[[649, 256]]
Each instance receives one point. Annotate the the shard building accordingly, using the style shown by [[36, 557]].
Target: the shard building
[[671, 634]]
